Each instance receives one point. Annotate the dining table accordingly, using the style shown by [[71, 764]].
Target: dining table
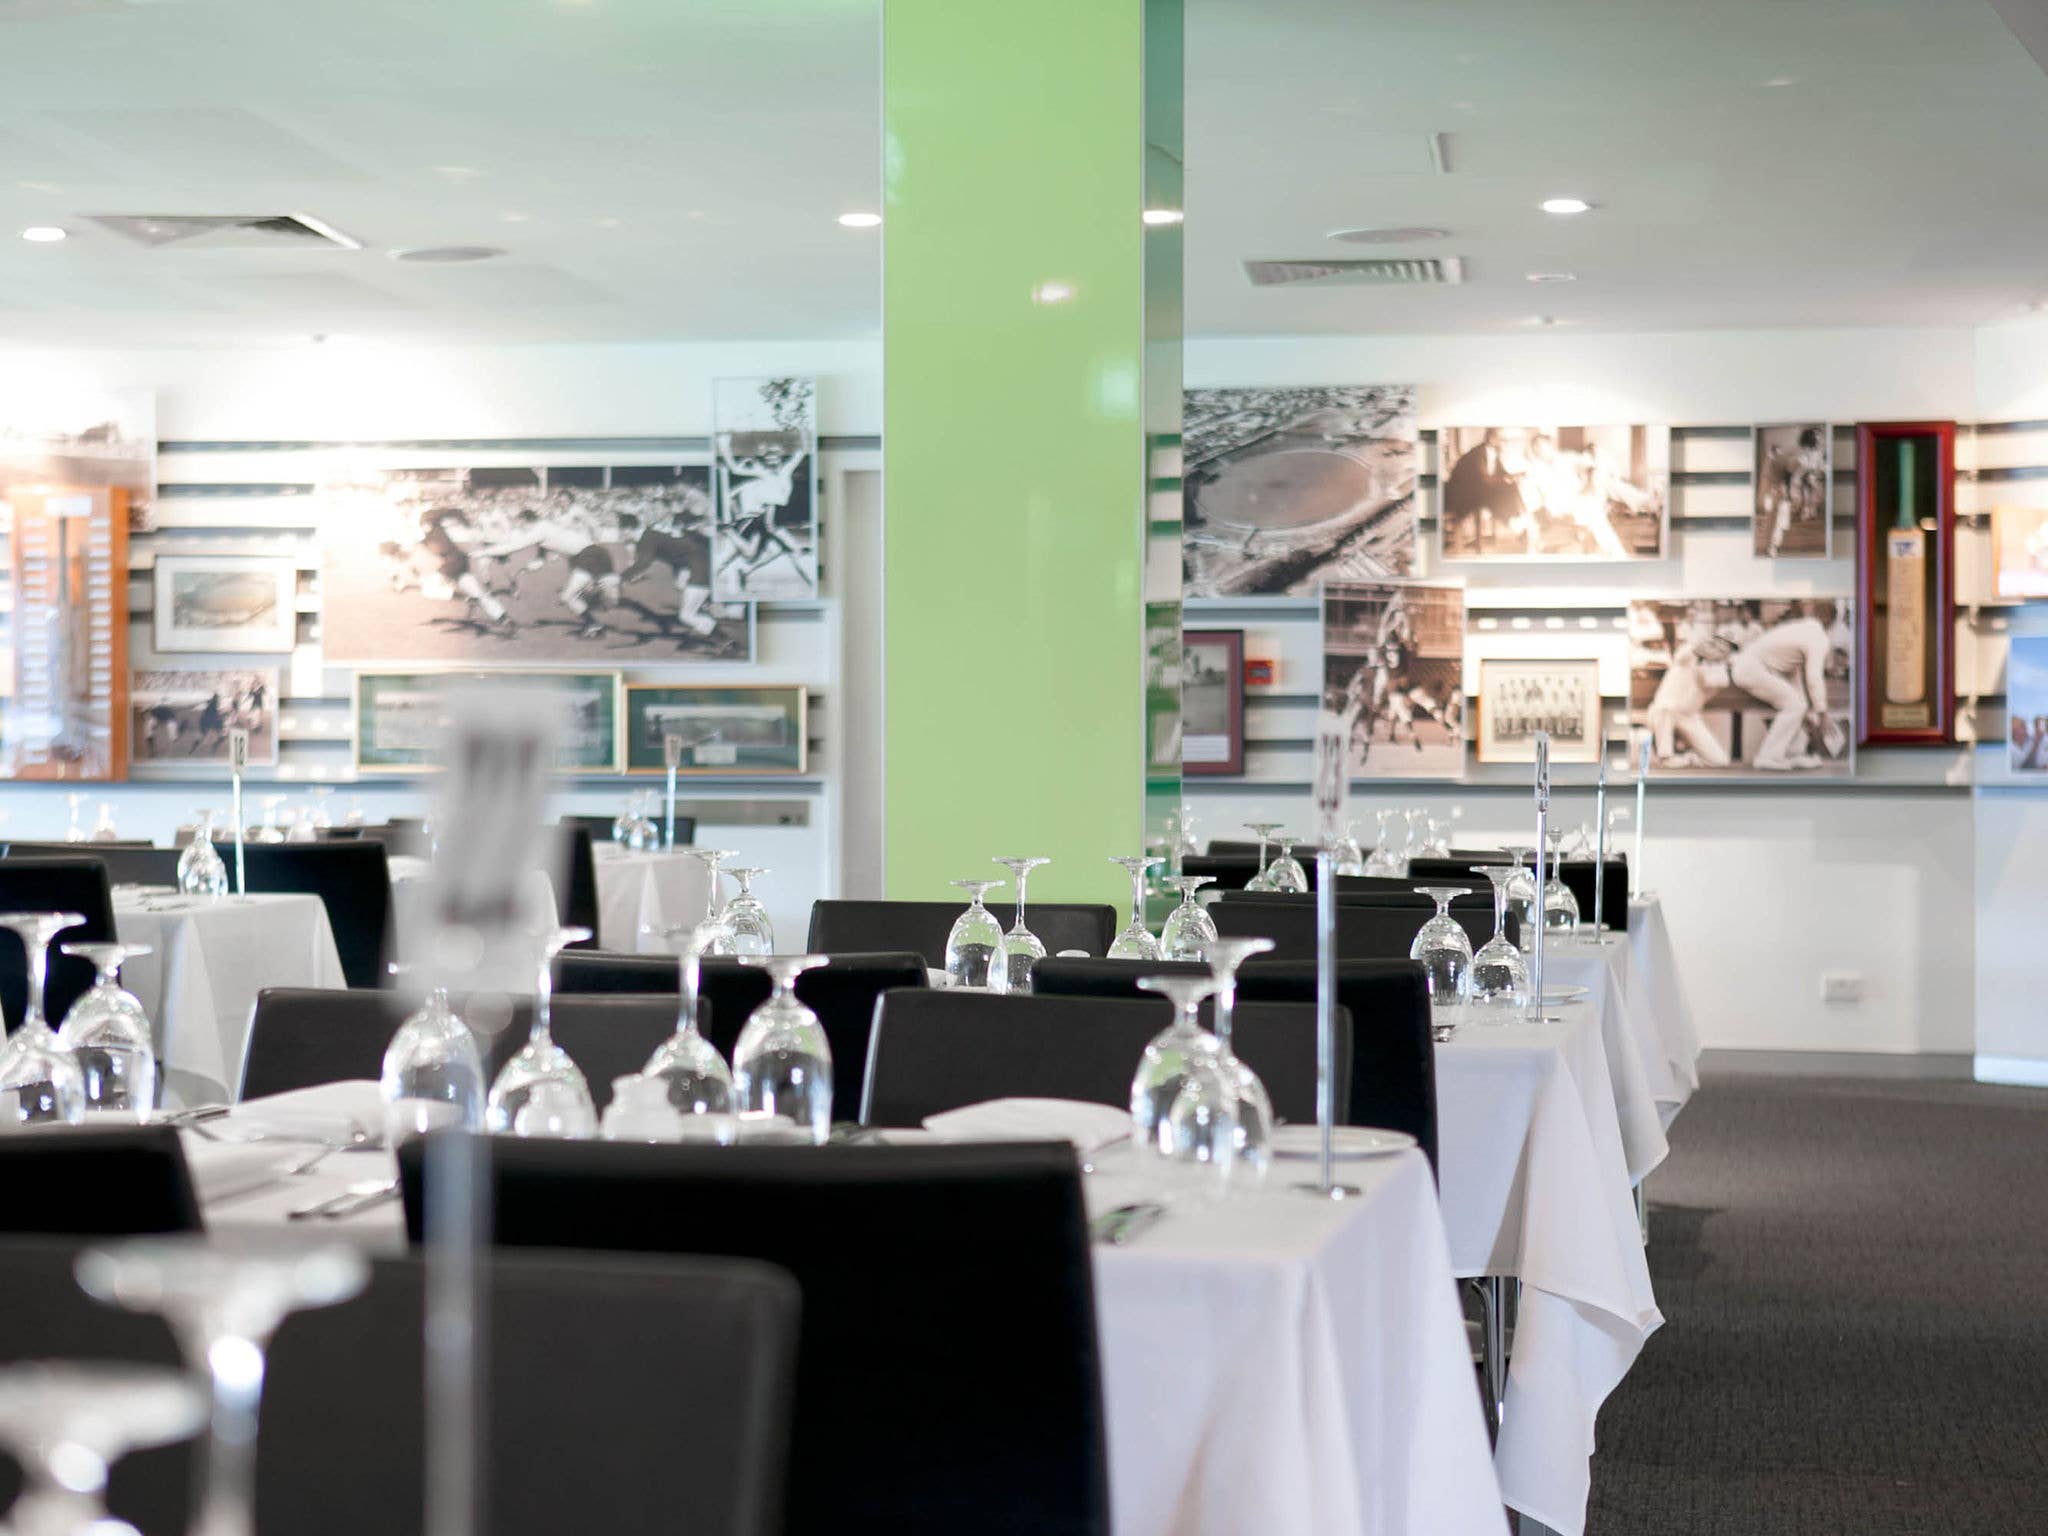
[[641, 895]]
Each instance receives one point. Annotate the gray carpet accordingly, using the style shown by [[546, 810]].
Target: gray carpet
[[1854, 1277]]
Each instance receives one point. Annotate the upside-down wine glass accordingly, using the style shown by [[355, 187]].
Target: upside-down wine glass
[[40, 1083], [433, 1073], [746, 920], [1522, 890], [975, 952], [1499, 979], [1188, 931], [321, 815], [1265, 830], [223, 1304], [1436, 844], [270, 831], [1350, 855], [713, 860], [1560, 906], [1446, 955], [73, 832], [1254, 1107], [695, 1076], [540, 1091], [1184, 835], [298, 825], [66, 1422], [1183, 1101], [782, 1062], [107, 1034], [1136, 941], [1286, 873], [200, 870], [103, 825], [1022, 949], [1383, 860]]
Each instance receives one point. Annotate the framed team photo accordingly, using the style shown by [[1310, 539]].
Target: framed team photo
[[224, 603], [1519, 697], [728, 732], [1552, 493], [1792, 474], [1212, 701], [401, 717], [1394, 665], [180, 718]]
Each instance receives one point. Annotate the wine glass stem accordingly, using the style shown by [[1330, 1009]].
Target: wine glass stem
[[1020, 903], [1262, 853], [687, 971], [543, 1000], [1226, 1010], [1500, 909], [1137, 898], [227, 1495], [38, 973]]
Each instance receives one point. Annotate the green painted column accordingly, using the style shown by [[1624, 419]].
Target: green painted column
[[1031, 321]]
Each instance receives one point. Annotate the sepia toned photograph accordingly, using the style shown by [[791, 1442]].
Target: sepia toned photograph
[[2026, 704], [81, 439], [1522, 696], [1212, 701], [401, 718], [544, 564], [765, 445], [181, 717], [735, 732], [1394, 665], [1745, 687], [224, 603], [2019, 552], [1287, 488], [1793, 476], [1554, 493]]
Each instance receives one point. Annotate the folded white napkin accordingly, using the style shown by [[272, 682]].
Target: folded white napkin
[[221, 1170], [1087, 1126]]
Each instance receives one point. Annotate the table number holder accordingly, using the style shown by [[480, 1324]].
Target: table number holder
[[1333, 739], [672, 759], [1542, 875], [1642, 791], [1600, 933], [238, 761]]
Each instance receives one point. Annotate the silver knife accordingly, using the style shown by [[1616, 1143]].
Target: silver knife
[[1119, 1226], [357, 1197]]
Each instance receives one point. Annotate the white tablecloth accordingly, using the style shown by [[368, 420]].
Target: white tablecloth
[[1655, 972], [209, 960], [1277, 1366], [1536, 1185], [640, 894], [410, 913]]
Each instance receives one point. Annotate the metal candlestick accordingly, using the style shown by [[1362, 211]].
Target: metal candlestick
[[672, 756], [1333, 738], [1542, 883], [238, 759]]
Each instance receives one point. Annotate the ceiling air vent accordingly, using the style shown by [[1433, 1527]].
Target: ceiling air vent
[[1334, 274], [227, 231]]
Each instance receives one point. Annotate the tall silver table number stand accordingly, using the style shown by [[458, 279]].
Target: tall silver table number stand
[[238, 762], [1600, 934], [1543, 873], [1333, 739], [672, 759], [1638, 889]]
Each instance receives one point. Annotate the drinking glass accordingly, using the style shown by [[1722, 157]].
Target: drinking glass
[[540, 1091], [103, 825], [1446, 956], [433, 1074], [107, 1034], [270, 831], [1254, 1107], [1383, 860], [1136, 941], [782, 1063], [40, 1083], [1286, 873], [1188, 931], [1350, 855], [975, 947], [713, 860], [1560, 906], [1184, 834], [355, 816], [321, 816], [1498, 979], [622, 824], [1522, 890], [643, 835], [746, 919], [200, 870], [1265, 830], [640, 1111], [298, 825], [1436, 842], [695, 1076], [66, 1422], [73, 832], [223, 1304], [1183, 1103], [1022, 948]]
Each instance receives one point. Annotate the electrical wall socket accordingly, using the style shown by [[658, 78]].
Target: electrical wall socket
[[1841, 986]]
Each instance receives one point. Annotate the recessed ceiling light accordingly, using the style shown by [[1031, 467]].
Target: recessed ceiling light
[[1779, 82], [1564, 205], [859, 220], [1552, 277], [1159, 216], [43, 234], [1052, 293], [447, 253], [1391, 234]]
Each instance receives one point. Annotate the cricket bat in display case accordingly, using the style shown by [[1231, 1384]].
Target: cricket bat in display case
[[1905, 526]]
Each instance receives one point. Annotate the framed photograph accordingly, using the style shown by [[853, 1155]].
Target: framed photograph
[[729, 732], [2026, 704], [570, 565], [52, 435], [224, 603], [1554, 493], [1520, 696], [178, 718], [1394, 663], [1287, 488], [1905, 580], [401, 717], [1745, 687], [63, 632], [1793, 475], [765, 437], [1212, 701], [2019, 552]]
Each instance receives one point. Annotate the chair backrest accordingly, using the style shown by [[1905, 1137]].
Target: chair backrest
[[1392, 1080], [95, 1181], [1226, 872], [939, 1050], [1244, 845], [566, 854], [1579, 876], [1458, 866], [907, 1257], [1402, 885], [1366, 930], [78, 884], [127, 863], [598, 1368], [920, 927], [600, 827], [353, 882], [1473, 910]]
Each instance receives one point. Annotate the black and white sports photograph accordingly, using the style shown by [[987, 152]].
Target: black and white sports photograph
[[1212, 701], [1520, 696], [57, 436], [178, 717], [1745, 687], [570, 564], [765, 446], [1394, 664], [224, 603], [1287, 488], [1554, 493], [1794, 479]]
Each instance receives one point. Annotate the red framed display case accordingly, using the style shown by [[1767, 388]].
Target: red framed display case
[[1905, 581]]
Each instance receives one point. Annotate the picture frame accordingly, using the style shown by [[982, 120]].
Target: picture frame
[[758, 731], [1394, 653], [1792, 490], [764, 534], [1905, 581], [1547, 494], [223, 604], [181, 718], [2019, 553], [2026, 705], [64, 636], [397, 721], [1212, 702], [1521, 695]]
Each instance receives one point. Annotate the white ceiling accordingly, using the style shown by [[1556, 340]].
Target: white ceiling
[[664, 170]]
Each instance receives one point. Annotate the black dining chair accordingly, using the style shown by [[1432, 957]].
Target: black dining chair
[[1579, 877], [1366, 930], [127, 863], [921, 926], [1242, 847], [905, 1256], [96, 1181], [353, 882], [53, 885], [655, 1391], [938, 1050], [1459, 866], [566, 854], [1392, 1080], [1225, 872], [1473, 907], [600, 827], [1403, 885]]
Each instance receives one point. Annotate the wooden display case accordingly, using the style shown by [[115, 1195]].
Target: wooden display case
[[1905, 581]]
